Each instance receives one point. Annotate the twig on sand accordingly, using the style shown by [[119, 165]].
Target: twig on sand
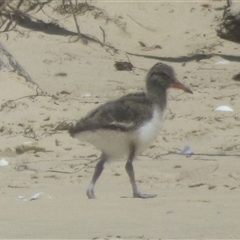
[[15, 64], [38, 94], [19, 69], [104, 35], [152, 30], [80, 36]]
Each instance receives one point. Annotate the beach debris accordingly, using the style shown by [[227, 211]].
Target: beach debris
[[223, 62], [21, 198], [206, 5], [61, 74], [34, 197], [123, 66], [224, 108], [10, 61], [24, 167], [3, 162], [236, 77], [196, 185], [25, 148], [47, 118], [145, 48], [86, 95], [229, 27], [65, 92], [37, 195], [186, 150], [29, 133], [151, 48], [142, 44]]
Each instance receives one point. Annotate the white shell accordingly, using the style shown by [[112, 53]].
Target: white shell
[[86, 95], [224, 108], [223, 62], [186, 150], [21, 198], [3, 162]]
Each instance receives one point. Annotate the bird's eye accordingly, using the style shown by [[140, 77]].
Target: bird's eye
[[164, 75]]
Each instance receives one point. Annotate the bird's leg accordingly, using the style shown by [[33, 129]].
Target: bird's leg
[[96, 175], [130, 172]]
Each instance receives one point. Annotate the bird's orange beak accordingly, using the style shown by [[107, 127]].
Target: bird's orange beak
[[179, 85]]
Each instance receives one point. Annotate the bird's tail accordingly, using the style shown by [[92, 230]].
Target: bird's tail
[[71, 130]]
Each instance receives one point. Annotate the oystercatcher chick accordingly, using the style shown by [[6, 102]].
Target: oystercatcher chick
[[128, 125]]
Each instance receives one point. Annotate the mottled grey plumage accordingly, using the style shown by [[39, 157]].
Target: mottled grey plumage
[[136, 117], [124, 114]]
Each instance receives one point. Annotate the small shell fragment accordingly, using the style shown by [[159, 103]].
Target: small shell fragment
[[35, 196], [3, 162], [224, 108], [186, 150], [21, 198], [223, 62], [85, 95]]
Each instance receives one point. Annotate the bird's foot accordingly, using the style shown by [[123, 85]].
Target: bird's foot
[[143, 195], [90, 194]]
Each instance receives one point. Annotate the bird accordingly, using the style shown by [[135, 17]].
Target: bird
[[127, 126]]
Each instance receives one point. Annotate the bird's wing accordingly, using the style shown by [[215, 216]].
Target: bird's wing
[[126, 113]]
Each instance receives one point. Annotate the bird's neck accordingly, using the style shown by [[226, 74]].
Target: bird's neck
[[159, 96]]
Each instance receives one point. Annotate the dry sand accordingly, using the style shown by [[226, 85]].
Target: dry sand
[[198, 195]]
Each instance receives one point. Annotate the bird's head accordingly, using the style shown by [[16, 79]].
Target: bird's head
[[162, 76]]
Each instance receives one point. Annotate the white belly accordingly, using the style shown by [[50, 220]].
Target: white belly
[[117, 143], [113, 143], [150, 130]]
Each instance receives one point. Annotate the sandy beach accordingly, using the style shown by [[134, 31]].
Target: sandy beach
[[198, 194]]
